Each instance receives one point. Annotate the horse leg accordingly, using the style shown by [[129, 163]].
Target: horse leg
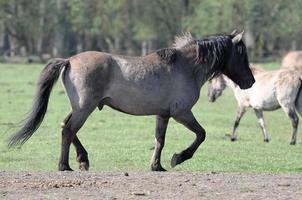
[[82, 155], [189, 121], [240, 113], [291, 113], [72, 126], [259, 114], [160, 134], [295, 121]]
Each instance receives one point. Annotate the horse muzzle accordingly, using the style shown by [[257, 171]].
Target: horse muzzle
[[211, 99], [247, 83]]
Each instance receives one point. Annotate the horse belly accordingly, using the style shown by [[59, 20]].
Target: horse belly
[[265, 99], [270, 104], [135, 102]]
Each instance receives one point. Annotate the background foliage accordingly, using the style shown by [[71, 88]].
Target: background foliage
[[51, 28]]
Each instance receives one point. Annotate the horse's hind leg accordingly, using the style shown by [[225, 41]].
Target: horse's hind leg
[[259, 114], [82, 155], [291, 113], [160, 134], [73, 125], [189, 121]]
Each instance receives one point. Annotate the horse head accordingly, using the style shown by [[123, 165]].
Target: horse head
[[237, 68], [215, 88]]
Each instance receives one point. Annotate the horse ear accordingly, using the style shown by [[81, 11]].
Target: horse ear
[[169, 55], [234, 32], [238, 37]]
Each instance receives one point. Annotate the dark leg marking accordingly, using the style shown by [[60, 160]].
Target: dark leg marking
[[73, 125], [240, 113]]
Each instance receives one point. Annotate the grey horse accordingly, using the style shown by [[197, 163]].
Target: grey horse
[[165, 83], [272, 90]]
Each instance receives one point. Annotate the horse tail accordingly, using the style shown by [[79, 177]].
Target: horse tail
[[47, 79], [298, 101]]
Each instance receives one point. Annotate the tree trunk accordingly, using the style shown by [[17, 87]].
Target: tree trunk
[[41, 28], [12, 46], [144, 48], [185, 5], [294, 45], [150, 46], [2, 38], [80, 46], [59, 34], [117, 46]]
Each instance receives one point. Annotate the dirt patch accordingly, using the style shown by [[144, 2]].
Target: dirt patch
[[148, 185]]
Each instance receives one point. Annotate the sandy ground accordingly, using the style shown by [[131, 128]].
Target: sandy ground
[[148, 185]]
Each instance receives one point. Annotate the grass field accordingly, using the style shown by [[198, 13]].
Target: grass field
[[116, 141]]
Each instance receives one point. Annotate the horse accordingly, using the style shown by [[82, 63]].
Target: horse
[[292, 59], [272, 90], [165, 83]]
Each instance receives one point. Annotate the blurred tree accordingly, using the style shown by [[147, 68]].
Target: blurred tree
[[133, 27]]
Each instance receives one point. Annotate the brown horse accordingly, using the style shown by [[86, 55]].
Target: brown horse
[[272, 90], [292, 59], [165, 83]]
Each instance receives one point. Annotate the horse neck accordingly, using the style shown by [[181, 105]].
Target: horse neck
[[230, 83], [202, 71], [203, 74]]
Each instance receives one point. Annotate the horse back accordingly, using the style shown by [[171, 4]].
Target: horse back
[[293, 59]]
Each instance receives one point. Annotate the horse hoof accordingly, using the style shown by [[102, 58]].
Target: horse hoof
[[157, 168], [233, 139], [84, 166], [292, 143], [176, 159], [63, 167], [266, 140]]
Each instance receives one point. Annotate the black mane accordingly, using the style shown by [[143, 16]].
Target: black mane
[[216, 50]]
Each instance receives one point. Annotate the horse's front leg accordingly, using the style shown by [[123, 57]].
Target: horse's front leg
[[160, 134], [240, 113], [189, 121]]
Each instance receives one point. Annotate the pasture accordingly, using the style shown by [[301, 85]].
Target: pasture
[[119, 142]]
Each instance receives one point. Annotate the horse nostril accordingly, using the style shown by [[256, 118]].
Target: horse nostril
[[251, 82]]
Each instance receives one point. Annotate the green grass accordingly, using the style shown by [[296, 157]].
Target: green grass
[[116, 141]]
